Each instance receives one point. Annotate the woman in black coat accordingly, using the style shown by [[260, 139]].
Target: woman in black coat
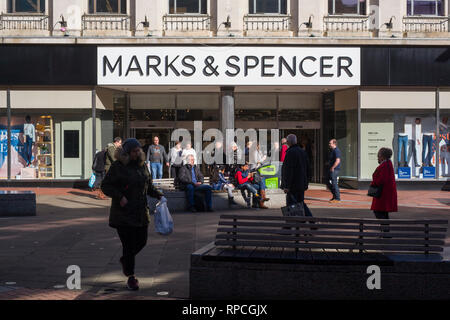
[[128, 182]]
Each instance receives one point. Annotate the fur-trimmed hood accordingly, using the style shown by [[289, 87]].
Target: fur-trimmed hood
[[124, 157]]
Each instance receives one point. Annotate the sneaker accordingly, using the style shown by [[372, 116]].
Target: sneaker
[[132, 283], [193, 210], [335, 201], [209, 210]]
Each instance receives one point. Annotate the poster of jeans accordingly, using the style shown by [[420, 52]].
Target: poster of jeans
[[18, 151]]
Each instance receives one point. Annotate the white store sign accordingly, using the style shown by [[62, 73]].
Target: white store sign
[[231, 65]]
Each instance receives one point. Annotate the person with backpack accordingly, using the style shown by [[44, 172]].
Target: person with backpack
[[98, 168], [110, 152]]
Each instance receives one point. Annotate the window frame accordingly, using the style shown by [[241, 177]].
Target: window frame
[[119, 7], [188, 13], [412, 14], [358, 13], [268, 13], [12, 8]]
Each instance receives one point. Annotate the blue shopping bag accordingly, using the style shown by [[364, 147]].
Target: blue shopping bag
[[92, 180], [163, 219]]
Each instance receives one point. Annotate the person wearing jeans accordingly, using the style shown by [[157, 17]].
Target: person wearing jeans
[[427, 142], [335, 166], [402, 147], [156, 155], [192, 181]]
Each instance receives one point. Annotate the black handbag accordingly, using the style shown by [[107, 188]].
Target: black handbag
[[375, 191], [297, 209]]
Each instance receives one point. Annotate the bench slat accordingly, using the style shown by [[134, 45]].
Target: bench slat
[[330, 239], [329, 245], [335, 233], [328, 226], [339, 220]]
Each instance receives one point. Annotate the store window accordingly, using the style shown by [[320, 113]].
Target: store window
[[152, 107], [336, 7], [108, 6], [444, 143], [425, 7], [26, 6], [188, 6], [299, 107], [3, 144], [267, 6], [119, 123], [410, 133], [255, 107], [191, 107]]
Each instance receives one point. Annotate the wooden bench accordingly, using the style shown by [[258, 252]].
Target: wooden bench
[[17, 203], [270, 257]]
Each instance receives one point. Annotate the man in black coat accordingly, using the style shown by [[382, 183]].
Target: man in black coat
[[191, 180], [295, 173]]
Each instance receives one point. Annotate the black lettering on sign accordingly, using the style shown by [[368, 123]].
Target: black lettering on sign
[[324, 66], [106, 63], [153, 66], [291, 69], [346, 67], [232, 65], [171, 67], [188, 65], [248, 66], [265, 65], [302, 69], [137, 67]]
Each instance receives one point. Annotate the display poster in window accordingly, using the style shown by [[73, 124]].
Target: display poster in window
[[374, 136]]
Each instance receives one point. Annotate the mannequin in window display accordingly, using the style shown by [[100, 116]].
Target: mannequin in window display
[[428, 126], [402, 149], [415, 140], [29, 135], [444, 146]]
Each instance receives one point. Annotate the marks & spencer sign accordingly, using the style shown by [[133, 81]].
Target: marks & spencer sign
[[232, 65]]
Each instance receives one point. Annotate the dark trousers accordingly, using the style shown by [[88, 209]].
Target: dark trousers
[[382, 215], [28, 152], [334, 184], [204, 188], [174, 174], [133, 241], [298, 197]]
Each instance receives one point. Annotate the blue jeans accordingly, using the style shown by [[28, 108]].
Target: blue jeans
[[427, 140], [157, 170], [299, 197], [403, 143], [204, 188], [334, 184], [28, 152]]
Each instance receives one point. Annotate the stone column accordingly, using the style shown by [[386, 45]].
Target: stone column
[[226, 111]]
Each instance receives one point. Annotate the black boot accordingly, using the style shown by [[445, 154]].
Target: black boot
[[231, 201]]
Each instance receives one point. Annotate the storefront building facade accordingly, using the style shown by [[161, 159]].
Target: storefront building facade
[[368, 93]]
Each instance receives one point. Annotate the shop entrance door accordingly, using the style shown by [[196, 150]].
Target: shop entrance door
[[309, 139], [145, 137]]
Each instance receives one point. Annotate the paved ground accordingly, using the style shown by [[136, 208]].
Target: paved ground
[[71, 229]]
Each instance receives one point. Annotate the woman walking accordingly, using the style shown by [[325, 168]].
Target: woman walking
[[383, 179], [128, 182]]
